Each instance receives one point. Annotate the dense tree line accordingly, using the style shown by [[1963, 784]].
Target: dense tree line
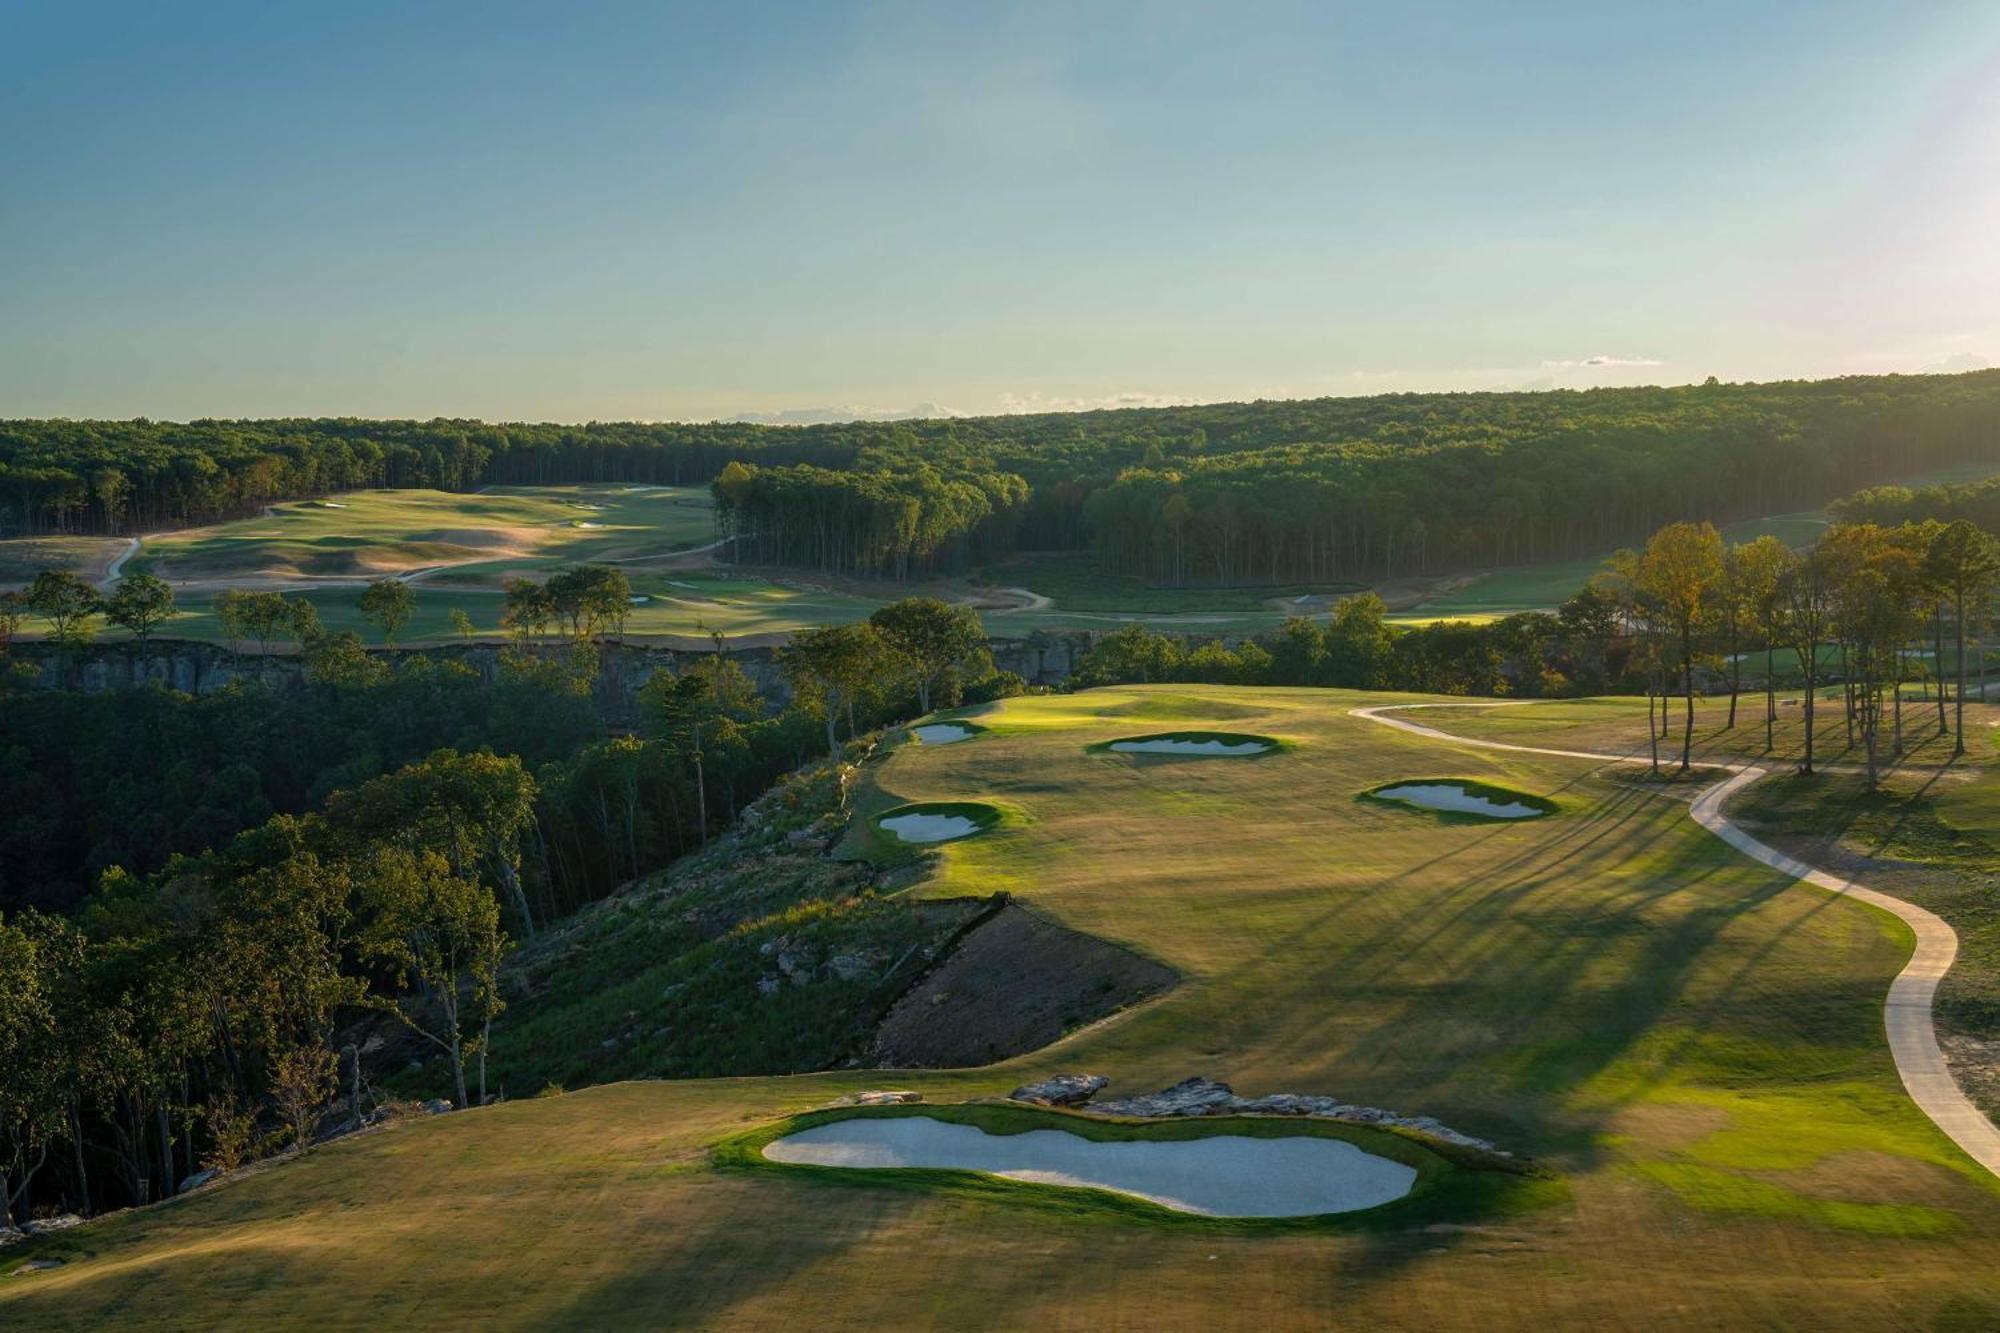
[[891, 523], [197, 895], [1867, 611], [1320, 490], [1977, 502]]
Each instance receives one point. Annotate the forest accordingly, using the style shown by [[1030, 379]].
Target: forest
[[1869, 611], [1237, 493], [198, 895]]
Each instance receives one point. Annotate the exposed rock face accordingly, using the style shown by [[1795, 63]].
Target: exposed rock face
[[1191, 1096], [1062, 1090], [1205, 1096], [193, 667]]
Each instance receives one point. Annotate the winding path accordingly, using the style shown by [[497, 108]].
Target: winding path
[[1906, 1014], [111, 570]]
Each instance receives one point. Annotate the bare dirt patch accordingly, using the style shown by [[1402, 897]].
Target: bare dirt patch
[[1014, 983]]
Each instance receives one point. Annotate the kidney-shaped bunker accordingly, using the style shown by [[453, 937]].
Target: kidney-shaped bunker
[[1192, 744], [1218, 1175], [937, 821], [1462, 798]]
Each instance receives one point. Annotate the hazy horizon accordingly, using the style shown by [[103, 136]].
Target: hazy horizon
[[810, 213]]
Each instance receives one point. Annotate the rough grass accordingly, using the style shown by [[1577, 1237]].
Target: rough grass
[[1689, 1041]]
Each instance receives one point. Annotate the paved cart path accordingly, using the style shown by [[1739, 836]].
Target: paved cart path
[[1906, 1015]]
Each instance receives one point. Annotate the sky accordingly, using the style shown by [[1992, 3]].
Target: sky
[[653, 211]]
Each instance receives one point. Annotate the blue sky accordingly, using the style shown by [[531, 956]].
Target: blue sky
[[609, 211]]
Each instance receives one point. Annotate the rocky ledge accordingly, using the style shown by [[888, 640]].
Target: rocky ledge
[[1205, 1096]]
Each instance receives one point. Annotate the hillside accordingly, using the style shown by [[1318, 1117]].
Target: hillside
[[1689, 1043]]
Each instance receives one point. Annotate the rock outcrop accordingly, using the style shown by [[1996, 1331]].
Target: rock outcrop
[[880, 1097], [1206, 1096], [1062, 1090]]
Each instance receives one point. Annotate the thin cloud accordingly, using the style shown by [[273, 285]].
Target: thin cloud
[[831, 416], [1601, 361]]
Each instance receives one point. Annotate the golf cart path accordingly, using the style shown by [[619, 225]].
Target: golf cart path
[[1906, 1014]]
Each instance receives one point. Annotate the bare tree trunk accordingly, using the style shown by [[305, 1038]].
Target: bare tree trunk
[[511, 878], [1687, 684], [458, 1064], [1896, 692], [1770, 700], [1937, 662], [76, 1145], [1847, 689], [167, 1182], [1958, 736]]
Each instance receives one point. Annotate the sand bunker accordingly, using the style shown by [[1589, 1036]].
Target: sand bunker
[[937, 821], [1222, 1175], [1456, 797], [1194, 743], [944, 733]]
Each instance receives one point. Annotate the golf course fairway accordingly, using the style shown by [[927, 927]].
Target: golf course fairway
[[1686, 1044]]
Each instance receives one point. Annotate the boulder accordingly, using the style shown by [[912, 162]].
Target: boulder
[[1192, 1096], [197, 1180], [1062, 1090], [436, 1106], [849, 967]]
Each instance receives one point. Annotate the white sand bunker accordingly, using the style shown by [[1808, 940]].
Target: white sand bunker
[[1458, 800], [929, 828], [942, 733], [1223, 1175], [1169, 745]]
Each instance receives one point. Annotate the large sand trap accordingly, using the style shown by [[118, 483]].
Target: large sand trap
[[929, 828], [1223, 1175], [1457, 798], [943, 733], [1193, 744]]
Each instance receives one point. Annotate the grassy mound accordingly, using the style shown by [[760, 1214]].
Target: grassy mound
[[1487, 791]]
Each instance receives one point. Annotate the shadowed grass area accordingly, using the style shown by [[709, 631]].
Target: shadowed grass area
[[1691, 1043]]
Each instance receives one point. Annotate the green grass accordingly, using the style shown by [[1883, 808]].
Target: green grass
[[495, 531], [1073, 580], [1688, 1042]]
